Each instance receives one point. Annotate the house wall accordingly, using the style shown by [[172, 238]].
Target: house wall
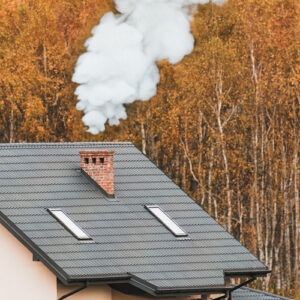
[[99, 292], [104, 292], [119, 296], [21, 278]]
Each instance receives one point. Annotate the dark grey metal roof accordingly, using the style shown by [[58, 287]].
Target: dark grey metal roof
[[245, 293], [129, 241]]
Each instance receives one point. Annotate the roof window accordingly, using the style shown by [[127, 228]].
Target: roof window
[[157, 212], [64, 220]]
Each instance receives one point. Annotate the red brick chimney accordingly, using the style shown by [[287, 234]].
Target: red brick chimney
[[99, 166]]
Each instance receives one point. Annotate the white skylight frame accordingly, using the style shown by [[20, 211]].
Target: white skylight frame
[[157, 212], [70, 225]]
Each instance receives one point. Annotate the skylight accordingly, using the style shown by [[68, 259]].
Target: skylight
[[62, 218], [166, 220]]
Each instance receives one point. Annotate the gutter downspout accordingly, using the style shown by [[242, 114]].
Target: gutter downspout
[[74, 292], [235, 288]]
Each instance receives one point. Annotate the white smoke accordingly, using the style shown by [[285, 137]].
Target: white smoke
[[119, 66]]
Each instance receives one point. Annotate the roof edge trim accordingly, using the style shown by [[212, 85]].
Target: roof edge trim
[[239, 273]]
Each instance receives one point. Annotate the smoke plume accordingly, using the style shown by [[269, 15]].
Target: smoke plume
[[119, 66]]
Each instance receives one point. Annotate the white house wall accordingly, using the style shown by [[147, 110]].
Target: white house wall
[[21, 278], [100, 292]]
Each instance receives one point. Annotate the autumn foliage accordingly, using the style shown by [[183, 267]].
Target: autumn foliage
[[224, 123]]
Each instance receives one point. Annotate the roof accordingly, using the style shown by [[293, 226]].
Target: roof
[[130, 244], [245, 293]]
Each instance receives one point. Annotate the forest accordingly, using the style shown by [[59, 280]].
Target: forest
[[224, 125]]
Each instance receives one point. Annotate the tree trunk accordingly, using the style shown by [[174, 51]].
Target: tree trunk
[[11, 123], [209, 183], [143, 138], [297, 201], [219, 90]]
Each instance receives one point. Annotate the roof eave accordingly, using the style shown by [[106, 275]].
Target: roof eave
[[247, 273], [118, 278], [183, 291], [170, 291]]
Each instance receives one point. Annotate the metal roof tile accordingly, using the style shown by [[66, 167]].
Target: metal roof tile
[[245, 293]]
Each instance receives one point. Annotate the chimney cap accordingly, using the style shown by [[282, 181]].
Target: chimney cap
[[97, 152]]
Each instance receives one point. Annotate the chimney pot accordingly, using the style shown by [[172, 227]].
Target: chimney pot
[[98, 164]]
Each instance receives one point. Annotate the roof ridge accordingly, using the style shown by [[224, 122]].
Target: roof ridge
[[61, 145]]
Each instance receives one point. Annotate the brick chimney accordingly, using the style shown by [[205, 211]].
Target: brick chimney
[[99, 166]]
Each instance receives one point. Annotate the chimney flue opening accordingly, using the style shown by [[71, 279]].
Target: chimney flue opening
[[94, 160], [102, 160], [86, 160]]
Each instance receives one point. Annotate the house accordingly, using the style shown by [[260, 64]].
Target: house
[[101, 221], [245, 293]]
